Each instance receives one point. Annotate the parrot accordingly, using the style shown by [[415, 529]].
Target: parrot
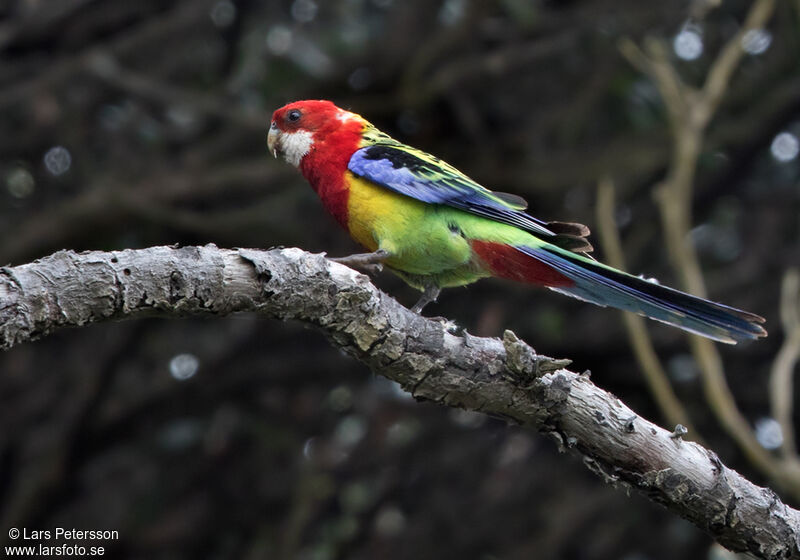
[[435, 227]]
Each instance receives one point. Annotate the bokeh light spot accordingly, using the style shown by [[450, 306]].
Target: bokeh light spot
[[183, 366], [785, 147], [20, 183], [279, 40], [756, 41], [340, 399], [304, 11], [688, 44], [350, 430], [682, 368], [57, 160], [769, 433], [223, 13], [390, 521], [451, 12]]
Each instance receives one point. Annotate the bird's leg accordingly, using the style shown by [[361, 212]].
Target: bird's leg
[[430, 294], [370, 262]]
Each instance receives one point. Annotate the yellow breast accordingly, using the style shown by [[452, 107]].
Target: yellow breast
[[377, 215], [419, 236]]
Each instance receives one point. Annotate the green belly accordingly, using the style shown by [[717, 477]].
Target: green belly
[[427, 242]]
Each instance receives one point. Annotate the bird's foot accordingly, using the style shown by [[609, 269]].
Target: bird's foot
[[371, 269], [371, 263], [429, 295]]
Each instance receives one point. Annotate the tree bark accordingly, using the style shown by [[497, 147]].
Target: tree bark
[[428, 358]]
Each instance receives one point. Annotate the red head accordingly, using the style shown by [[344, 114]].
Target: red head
[[318, 137], [301, 127]]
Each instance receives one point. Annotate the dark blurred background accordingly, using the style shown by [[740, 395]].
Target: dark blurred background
[[131, 124]]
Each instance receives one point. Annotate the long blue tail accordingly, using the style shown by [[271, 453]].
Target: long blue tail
[[602, 285]]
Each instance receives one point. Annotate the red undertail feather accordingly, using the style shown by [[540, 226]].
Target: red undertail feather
[[506, 261]]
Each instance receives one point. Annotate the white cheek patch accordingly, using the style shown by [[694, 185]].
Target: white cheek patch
[[294, 145]]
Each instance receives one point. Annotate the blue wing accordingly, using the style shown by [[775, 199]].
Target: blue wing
[[426, 178]]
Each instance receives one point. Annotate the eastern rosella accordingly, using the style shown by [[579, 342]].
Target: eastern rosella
[[435, 227]]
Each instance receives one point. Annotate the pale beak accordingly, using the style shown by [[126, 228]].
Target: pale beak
[[272, 139]]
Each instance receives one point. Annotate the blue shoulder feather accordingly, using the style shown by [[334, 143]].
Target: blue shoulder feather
[[426, 178]]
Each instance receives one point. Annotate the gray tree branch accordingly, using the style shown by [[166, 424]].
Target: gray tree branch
[[503, 378]]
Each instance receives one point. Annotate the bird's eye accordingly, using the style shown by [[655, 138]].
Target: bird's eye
[[293, 115]]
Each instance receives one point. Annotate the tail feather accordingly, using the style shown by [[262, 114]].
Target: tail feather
[[605, 286]]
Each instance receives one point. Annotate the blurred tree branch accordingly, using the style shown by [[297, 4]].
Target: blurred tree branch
[[157, 198], [690, 111], [654, 373], [108, 69], [781, 382], [185, 15], [502, 378]]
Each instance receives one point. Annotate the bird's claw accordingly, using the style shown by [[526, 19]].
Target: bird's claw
[[371, 263], [371, 268]]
